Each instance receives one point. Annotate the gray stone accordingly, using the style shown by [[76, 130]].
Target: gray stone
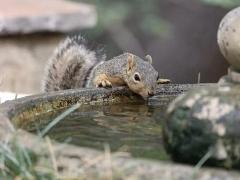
[[17, 110], [85, 163], [229, 39], [30, 16], [205, 119]]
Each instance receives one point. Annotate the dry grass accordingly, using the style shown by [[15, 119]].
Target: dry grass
[[20, 163]]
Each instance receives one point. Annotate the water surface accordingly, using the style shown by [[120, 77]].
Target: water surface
[[134, 128]]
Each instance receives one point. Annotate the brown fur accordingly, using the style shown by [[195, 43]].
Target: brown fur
[[104, 80], [73, 65], [70, 65]]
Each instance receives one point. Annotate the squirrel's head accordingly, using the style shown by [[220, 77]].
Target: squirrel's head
[[141, 76]]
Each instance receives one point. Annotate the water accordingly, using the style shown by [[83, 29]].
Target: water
[[133, 128]]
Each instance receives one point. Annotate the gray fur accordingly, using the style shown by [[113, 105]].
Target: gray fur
[[70, 65], [74, 65], [114, 67], [117, 67]]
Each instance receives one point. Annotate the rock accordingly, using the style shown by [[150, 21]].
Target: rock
[[229, 38], [205, 119], [23, 59], [89, 163], [29, 16]]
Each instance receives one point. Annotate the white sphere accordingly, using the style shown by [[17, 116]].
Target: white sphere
[[229, 37]]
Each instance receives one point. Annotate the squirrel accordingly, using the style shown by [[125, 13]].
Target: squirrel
[[75, 65]]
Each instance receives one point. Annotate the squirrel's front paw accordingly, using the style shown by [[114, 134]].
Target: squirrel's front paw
[[163, 81], [102, 81]]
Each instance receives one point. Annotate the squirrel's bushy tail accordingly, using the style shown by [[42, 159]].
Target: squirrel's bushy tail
[[71, 64]]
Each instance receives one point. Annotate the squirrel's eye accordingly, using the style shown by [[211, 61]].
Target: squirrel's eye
[[136, 77]]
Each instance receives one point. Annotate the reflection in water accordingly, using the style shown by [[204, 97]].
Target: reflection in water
[[133, 128]]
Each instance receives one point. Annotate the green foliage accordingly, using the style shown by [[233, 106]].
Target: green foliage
[[223, 3], [155, 26], [140, 16], [142, 20], [18, 162], [143, 15]]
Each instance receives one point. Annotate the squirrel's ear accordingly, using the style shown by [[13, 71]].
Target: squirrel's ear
[[131, 63], [148, 59]]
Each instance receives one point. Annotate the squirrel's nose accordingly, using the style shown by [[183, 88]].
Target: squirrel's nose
[[150, 93]]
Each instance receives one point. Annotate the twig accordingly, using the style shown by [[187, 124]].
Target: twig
[[109, 173], [52, 155], [202, 161], [59, 118], [199, 78]]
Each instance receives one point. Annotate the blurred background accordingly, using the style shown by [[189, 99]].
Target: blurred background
[[180, 35]]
